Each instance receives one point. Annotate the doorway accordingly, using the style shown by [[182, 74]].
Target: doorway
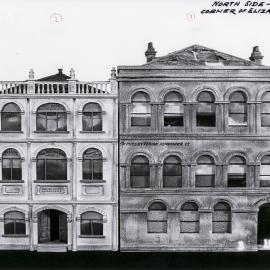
[[52, 226], [263, 223]]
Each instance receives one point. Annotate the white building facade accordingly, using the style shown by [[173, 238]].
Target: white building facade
[[59, 152]]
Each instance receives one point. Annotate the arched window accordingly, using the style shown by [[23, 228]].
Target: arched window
[[92, 164], [206, 110], [173, 110], [91, 223], [189, 218], [11, 165], [51, 165], [222, 218], [205, 172], [140, 172], [140, 110], [265, 110], [14, 223], [172, 172], [238, 109], [92, 117], [265, 171], [157, 218], [11, 117], [237, 172], [51, 117]]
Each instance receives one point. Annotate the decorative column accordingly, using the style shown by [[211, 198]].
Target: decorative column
[[72, 82], [187, 117], [153, 175], [225, 116], [219, 175], [185, 175], [31, 231], [220, 118], [31, 82], [224, 176], [74, 228], [159, 176], [113, 82], [252, 116], [192, 175], [257, 175], [251, 174]]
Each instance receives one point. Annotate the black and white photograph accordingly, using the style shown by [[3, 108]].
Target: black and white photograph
[[134, 134]]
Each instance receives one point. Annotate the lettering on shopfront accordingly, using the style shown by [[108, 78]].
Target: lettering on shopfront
[[141, 143], [51, 190]]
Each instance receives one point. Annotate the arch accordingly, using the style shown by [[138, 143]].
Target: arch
[[146, 205], [261, 155], [261, 93], [148, 91], [84, 103], [97, 146], [181, 91], [92, 209], [196, 155], [222, 200], [15, 209], [230, 90], [193, 204], [200, 89], [52, 207], [168, 153], [18, 103], [13, 146], [11, 120], [197, 202], [61, 102], [145, 153], [50, 146], [231, 154]]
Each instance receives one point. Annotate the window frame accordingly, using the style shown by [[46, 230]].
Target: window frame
[[17, 114], [212, 165], [227, 221], [14, 221], [92, 115], [195, 221], [157, 215], [91, 223], [12, 164], [179, 176], [234, 175], [147, 176]]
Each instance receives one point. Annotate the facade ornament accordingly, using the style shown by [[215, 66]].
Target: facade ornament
[[31, 74], [72, 74], [113, 73], [150, 52]]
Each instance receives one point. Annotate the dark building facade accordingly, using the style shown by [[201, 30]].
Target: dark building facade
[[195, 152]]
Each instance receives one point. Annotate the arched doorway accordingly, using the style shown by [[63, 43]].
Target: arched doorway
[[263, 223], [52, 226]]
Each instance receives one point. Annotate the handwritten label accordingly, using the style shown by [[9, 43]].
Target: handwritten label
[[237, 7], [141, 143]]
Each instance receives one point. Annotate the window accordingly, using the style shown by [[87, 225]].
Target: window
[[265, 110], [11, 117], [91, 223], [265, 171], [222, 218], [238, 109], [14, 223], [92, 117], [237, 172], [157, 218], [51, 117], [173, 110], [51, 165], [11, 165], [189, 218], [206, 110], [205, 172], [92, 164], [140, 172], [140, 110], [172, 172]]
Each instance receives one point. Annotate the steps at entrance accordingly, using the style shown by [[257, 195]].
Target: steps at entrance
[[52, 248]]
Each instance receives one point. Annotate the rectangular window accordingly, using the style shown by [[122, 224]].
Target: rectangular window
[[222, 222], [237, 114], [157, 222], [141, 115], [206, 115], [189, 222]]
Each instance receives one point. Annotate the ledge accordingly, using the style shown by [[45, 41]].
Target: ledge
[[11, 181], [92, 181], [92, 236], [51, 181], [51, 132], [2, 131], [86, 131], [15, 235]]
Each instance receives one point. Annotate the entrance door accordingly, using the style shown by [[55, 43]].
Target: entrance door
[[263, 223], [44, 226], [52, 226]]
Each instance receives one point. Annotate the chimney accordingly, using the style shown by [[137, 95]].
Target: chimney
[[150, 52], [60, 70], [256, 55]]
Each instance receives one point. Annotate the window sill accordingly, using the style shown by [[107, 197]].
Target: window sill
[[88, 131], [15, 235], [231, 126], [51, 181], [92, 236], [2, 131], [92, 181], [11, 181], [51, 132]]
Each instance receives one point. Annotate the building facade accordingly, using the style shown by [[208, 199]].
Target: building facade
[[195, 152], [59, 174]]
